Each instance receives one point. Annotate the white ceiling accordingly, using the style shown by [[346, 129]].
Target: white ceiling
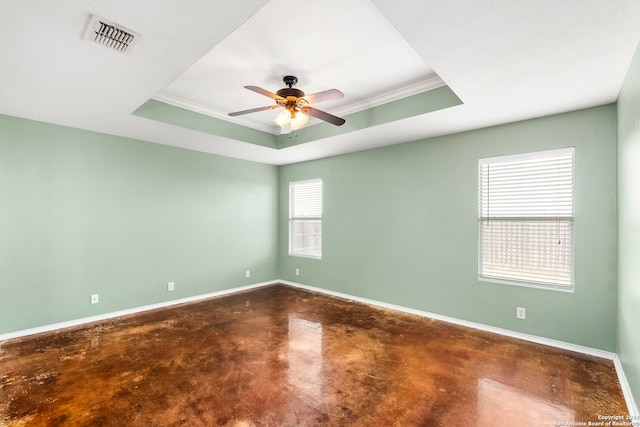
[[349, 45], [507, 60]]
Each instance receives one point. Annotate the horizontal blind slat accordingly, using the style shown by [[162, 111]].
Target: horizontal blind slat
[[525, 218], [305, 218]]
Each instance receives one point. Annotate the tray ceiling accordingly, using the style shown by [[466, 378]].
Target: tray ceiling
[[499, 62], [350, 46]]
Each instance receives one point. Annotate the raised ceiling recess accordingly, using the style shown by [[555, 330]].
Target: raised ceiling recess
[[365, 56]]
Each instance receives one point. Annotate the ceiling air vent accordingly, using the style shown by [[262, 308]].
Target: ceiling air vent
[[111, 35]]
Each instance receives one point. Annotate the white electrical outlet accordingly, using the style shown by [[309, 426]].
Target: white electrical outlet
[[521, 313], [171, 286], [247, 273], [95, 299], [297, 271]]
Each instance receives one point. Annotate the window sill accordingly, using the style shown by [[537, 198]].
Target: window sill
[[526, 285], [306, 256]]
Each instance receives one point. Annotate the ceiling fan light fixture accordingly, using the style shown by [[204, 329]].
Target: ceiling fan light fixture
[[283, 118], [296, 105], [300, 119]]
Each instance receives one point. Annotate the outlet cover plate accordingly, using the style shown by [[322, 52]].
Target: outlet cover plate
[[95, 299], [521, 313]]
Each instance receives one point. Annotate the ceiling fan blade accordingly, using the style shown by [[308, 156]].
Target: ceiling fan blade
[[325, 95], [264, 92], [253, 110], [319, 114]]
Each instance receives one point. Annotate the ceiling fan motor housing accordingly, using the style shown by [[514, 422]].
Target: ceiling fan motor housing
[[290, 91], [293, 100]]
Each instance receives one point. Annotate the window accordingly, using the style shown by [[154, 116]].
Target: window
[[305, 218], [525, 219]]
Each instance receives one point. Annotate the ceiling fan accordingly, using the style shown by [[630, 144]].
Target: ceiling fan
[[296, 105]]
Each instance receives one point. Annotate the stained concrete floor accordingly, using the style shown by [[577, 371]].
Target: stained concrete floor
[[281, 356]]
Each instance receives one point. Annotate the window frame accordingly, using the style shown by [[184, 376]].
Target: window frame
[[568, 220], [293, 218]]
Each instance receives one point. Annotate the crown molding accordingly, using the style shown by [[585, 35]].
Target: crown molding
[[187, 104], [425, 85]]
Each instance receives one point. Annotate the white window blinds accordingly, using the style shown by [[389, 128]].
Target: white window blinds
[[525, 218], [305, 218]]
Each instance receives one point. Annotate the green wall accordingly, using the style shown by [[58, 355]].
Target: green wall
[[629, 226], [87, 213], [84, 213], [421, 103], [399, 226]]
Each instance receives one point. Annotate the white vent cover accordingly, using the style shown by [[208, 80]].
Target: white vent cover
[[111, 35]]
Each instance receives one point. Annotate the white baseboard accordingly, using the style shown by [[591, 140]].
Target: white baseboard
[[633, 409], [626, 389], [624, 384], [111, 315], [506, 332]]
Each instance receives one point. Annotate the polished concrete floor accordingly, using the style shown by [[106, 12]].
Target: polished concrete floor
[[280, 356]]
